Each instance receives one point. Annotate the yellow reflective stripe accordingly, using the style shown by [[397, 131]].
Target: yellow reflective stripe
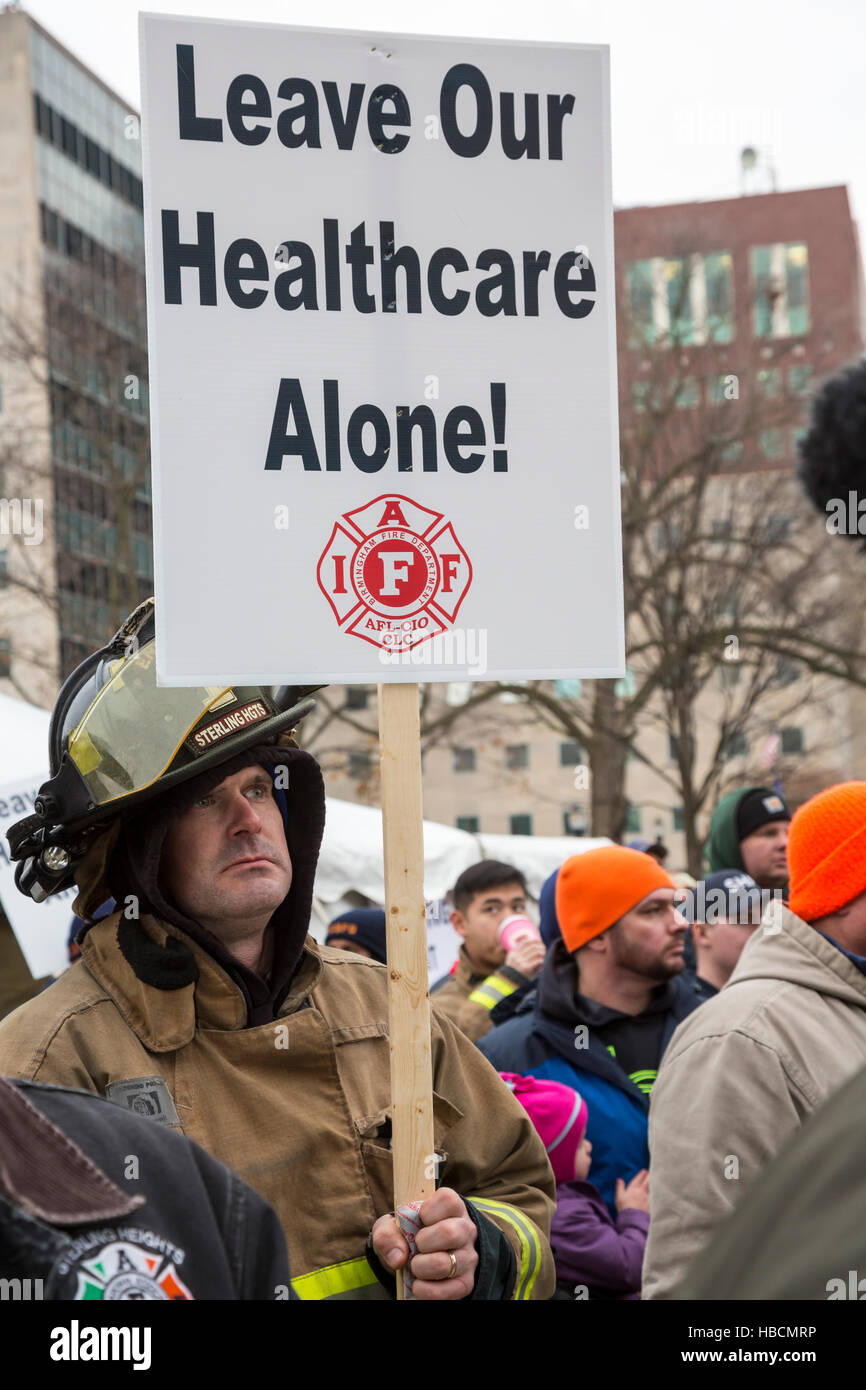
[[530, 1246], [334, 1279], [494, 989]]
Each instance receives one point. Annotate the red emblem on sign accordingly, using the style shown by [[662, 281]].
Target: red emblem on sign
[[394, 572]]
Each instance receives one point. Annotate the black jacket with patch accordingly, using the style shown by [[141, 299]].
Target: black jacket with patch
[[99, 1203]]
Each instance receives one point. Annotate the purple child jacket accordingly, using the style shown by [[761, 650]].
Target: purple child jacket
[[589, 1248]]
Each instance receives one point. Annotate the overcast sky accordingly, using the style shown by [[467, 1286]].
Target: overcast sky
[[691, 80]]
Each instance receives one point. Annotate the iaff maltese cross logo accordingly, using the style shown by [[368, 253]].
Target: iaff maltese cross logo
[[394, 572], [125, 1271]]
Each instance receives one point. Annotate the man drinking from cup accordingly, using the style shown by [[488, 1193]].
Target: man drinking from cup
[[502, 951]]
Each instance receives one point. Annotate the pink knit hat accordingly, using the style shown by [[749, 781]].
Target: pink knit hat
[[559, 1114]]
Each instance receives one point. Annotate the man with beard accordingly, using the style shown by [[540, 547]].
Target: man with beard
[[608, 1001]]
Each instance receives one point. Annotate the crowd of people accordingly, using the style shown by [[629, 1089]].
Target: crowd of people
[[610, 1082]]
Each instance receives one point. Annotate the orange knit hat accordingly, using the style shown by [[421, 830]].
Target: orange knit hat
[[827, 851], [595, 889]]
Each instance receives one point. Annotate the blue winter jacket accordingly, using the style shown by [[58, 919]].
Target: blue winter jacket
[[541, 1040]]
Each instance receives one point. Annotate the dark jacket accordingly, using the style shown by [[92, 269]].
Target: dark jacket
[[558, 1035], [98, 1203], [593, 1250]]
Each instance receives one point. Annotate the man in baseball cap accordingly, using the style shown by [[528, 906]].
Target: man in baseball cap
[[749, 832], [722, 910], [745, 1071], [609, 997]]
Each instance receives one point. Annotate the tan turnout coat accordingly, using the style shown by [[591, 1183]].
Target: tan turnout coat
[[467, 996], [294, 1105]]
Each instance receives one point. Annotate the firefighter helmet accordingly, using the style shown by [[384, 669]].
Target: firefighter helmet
[[116, 739]]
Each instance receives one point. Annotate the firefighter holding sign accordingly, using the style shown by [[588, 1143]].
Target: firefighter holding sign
[[203, 1003]]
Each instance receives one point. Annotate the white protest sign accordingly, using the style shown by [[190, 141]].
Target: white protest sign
[[382, 356], [41, 929]]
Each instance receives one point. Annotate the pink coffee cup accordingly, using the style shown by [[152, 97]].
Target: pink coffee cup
[[514, 929]]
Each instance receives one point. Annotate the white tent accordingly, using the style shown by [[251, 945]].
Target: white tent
[[23, 740], [351, 858]]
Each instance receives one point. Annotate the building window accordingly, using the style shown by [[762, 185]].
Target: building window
[[669, 534], [679, 819], [673, 747], [797, 437], [359, 766], [688, 393], [778, 527], [792, 740], [5, 656], [770, 382], [457, 692], [356, 697], [680, 312], [641, 299], [786, 672], [780, 277], [687, 301], [721, 388], [799, 381], [719, 280], [567, 689], [729, 674], [464, 759], [731, 452], [735, 746], [727, 607], [521, 825], [721, 530], [472, 824], [643, 397], [4, 568], [772, 444], [517, 756], [633, 820], [626, 686], [511, 697], [66, 136], [570, 753]]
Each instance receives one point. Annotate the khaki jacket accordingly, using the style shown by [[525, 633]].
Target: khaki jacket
[[296, 1106], [467, 996], [739, 1078]]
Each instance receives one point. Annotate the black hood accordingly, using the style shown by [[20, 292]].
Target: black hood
[[134, 869]]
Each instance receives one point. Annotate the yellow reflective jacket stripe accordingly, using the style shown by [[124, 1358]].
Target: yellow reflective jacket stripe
[[493, 989], [335, 1279], [530, 1246]]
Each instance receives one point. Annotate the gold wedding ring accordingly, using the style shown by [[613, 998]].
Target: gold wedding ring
[[453, 1259]]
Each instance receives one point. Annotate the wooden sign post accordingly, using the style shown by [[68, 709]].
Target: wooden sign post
[[408, 996]]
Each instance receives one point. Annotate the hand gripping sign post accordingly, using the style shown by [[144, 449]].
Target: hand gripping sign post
[[383, 392]]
